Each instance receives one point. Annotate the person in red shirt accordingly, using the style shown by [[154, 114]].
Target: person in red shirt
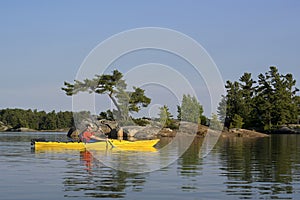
[[89, 136]]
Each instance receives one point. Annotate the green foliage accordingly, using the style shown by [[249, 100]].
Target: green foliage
[[141, 121], [215, 123], [179, 113], [173, 125], [222, 109], [270, 103], [190, 109], [106, 115], [204, 120], [115, 87], [275, 97], [41, 120], [296, 101], [165, 118], [237, 122]]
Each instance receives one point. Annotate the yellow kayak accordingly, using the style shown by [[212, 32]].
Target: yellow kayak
[[137, 145], [43, 145], [140, 145]]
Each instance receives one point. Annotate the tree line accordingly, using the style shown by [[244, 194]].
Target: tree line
[[265, 104], [38, 120], [190, 110]]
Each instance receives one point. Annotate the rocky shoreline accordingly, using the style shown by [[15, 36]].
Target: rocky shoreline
[[154, 130], [202, 131], [186, 128], [291, 129]]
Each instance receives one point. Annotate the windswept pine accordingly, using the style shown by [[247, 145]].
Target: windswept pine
[[115, 87]]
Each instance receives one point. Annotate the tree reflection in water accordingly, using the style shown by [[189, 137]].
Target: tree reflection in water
[[93, 179], [246, 168], [258, 167]]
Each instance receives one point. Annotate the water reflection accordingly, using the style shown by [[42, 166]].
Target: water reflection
[[261, 167], [93, 179], [87, 159], [237, 168], [190, 167], [190, 164]]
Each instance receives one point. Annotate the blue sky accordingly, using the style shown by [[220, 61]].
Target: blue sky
[[43, 43]]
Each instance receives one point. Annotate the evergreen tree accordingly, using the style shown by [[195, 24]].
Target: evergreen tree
[[165, 116], [179, 112], [275, 96], [215, 123], [116, 89], [248, 91], [235, 102], [190, 109], [222, 109], [237, 122], [270, 103], [296, 101]]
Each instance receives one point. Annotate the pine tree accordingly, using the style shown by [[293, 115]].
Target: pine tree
[[116, 88], [270, 103], [215, 123], [247, 90], [165, 116], [237, 122], [191, 110]]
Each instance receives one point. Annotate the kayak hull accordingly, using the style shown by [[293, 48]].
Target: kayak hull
[[140, 145], [69, 145], [134, 145]]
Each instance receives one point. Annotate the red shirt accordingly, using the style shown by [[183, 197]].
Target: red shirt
[[87, 136]]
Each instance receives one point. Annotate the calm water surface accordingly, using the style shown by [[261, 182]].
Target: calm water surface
[[267, 168]]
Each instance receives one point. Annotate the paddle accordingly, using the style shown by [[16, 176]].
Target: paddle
[[107, 140]]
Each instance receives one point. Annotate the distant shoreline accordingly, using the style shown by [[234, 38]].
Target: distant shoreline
[[22, 129], [201, 131]]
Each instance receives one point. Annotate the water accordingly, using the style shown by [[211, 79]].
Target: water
[[266, 168]]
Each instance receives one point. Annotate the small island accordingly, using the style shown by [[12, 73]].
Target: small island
[[251, 108]]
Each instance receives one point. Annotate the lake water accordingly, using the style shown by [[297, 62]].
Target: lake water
[[265, 168]]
